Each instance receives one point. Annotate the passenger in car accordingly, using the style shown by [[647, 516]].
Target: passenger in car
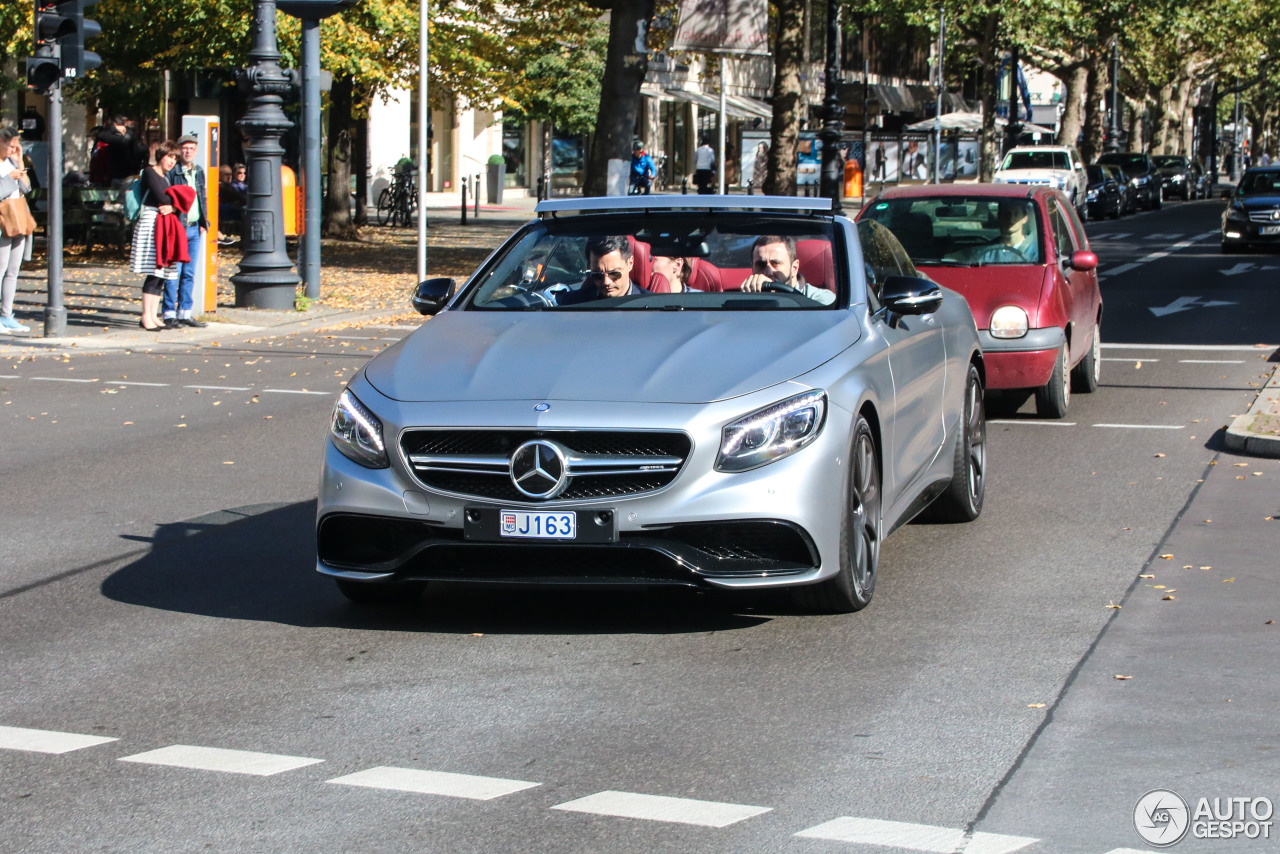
[[774, 262], [1017, 235], [670, 274], [609, 265]]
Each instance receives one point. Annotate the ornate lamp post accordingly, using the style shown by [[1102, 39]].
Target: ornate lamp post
[[1113, 140], [266, 278], [832, 177]]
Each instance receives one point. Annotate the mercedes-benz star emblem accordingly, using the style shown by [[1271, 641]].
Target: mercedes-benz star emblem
[[542, 407], [1275, 215], [539, 469]]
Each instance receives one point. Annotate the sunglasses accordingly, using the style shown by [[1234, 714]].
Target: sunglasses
[[597, 276]]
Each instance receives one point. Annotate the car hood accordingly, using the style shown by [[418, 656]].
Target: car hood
[[988, 288], [1259, 202], [1032, 174], [621, 356]]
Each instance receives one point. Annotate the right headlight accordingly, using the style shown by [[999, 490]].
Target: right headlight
[[1237, 214], [772, 433], [1009, 321], [357, 432]]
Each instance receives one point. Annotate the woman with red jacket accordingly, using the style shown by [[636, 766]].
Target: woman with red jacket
[[156, 203]]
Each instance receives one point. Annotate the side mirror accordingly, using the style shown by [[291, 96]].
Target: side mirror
[[911, 295], [430, 296], [1083, 260]]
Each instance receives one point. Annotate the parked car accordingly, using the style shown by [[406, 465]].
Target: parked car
[[1128, 196], [1253, 210], [1106, 193], [747, 432], [1143, 176], [1177, 178], [1057, 166], [1202, 181], [1021, 258]]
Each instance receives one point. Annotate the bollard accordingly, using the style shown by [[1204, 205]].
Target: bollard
[[684, 186], [751, 188], [476, 188], [463, 185]]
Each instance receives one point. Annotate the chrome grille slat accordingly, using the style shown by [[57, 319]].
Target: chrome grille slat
[[1262, 216]]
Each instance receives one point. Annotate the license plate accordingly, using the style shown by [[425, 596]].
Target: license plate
[[1269, 229], [538, 526]]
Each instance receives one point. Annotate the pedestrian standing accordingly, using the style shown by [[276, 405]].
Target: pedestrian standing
[[704, 161], [142, 258], [178, 296], [14, 185]]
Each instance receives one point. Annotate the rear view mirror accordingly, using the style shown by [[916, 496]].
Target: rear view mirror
[[911, 295], [1083, 261], [430, 296]]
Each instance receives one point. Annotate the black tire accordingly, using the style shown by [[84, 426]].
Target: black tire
[[1186, 193], [384, 206], [381, 595], [1119, 211], [1157, 199], [1053, 398], [851, 588], [962, 502], [1088, 371]]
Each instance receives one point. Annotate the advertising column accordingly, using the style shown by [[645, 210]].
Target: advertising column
[[205, 293]]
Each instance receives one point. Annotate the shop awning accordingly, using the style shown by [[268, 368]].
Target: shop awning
[[738, 106]]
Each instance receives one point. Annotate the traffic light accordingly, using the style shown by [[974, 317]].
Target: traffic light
[[60, 33], [76, 61]]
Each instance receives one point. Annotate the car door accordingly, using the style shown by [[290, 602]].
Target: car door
[[917, 362], [1080, 293]]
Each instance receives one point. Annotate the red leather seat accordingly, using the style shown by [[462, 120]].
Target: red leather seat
[[816, 264], [641, 263]]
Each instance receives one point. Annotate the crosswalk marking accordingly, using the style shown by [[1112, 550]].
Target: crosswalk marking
[[47, 741], [659, 808], [433, 783], [219, 387], [917, 837], [1142, 426], [219, 759]]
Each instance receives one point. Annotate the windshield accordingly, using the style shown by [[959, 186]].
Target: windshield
[[672, 262], [1170, 161], [963, 231], [1036, 160], [1096, 174], [1259, 184]]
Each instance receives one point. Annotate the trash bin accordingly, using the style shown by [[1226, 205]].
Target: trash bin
[[496, 178]]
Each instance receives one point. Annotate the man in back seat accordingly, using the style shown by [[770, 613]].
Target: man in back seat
[[774, 261]]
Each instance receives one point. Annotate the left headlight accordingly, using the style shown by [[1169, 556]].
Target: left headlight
[[772, 433], [357, 432]]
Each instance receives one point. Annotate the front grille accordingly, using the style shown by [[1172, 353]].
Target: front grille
[[1263, 216], [603, 463]]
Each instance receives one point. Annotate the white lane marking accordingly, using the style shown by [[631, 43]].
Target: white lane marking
[[1119, 235], [148, 385], [10, 377], [1127, 851], [219, 387], [434, 783], [1162, 236], [218, 759], [917, 837], [1143, 426], [1118, 359], [1211, 361], [60, 380], [1155, 256], [1232, 348], [659, 808], [1031, 421], [47, 741], [363, 338], [294, 391], [1115, 271]]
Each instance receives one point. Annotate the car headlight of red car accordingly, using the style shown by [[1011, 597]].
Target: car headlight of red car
[[1009, 321]]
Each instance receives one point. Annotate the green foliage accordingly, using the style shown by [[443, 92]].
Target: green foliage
[[562, 86]]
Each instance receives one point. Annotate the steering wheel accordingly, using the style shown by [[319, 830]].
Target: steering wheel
[[778, 287]]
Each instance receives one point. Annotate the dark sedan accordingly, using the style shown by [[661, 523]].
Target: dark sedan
[[1143, 176], [1105, 193], [1253, 210], [1177, 176]]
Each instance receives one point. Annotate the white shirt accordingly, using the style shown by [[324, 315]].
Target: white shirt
[[6, 167], [704, 157]]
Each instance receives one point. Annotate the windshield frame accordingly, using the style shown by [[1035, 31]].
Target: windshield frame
[[955, 236]]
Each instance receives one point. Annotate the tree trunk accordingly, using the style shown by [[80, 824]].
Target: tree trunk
[[1162, 117], [360, 166], [624, 71], [1095, 114], [1077, 86], [990, 147], [788, 99], [1137, 125], [337, 201]]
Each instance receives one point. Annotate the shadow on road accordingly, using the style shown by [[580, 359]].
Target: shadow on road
[[262, 567]]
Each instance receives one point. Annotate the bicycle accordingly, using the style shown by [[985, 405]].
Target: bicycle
[[397, 202]]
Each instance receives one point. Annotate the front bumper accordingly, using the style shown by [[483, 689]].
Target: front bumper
[[1236, 232], [1025, 362]]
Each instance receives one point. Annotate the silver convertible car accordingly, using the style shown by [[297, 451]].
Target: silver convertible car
[[718, 392]]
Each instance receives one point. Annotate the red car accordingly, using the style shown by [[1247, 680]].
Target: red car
[[1020, 256]]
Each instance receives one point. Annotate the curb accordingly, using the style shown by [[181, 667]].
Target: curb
[[1257, 432]]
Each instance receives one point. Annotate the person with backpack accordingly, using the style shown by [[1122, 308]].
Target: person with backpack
[[152, 192]]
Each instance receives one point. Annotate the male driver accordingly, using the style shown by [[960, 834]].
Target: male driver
[[609, 265], [1017, 241], [178, 294], [773, 260]]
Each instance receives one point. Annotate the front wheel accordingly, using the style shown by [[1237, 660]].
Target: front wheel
[[962, 502], [1053, 397], [1085, 375], [851, 588], [1157, 199], [384, 206]]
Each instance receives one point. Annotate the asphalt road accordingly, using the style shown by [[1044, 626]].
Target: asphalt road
[[175, 677]]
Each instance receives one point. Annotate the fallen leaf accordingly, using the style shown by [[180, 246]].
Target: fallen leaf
[[1168, 598], [1113, 606], [1146, 576], [1156, 586], [1158, 456], [1118, 676], [477, 634], [1227, 580], [1035, 705], [1269, 623], [1166, 557], [228, 462]]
